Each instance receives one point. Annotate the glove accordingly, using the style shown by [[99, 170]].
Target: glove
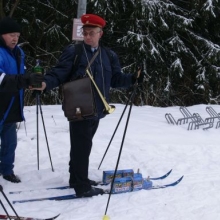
[[20, 81], [139, 77], [26, 80], [35, 79]]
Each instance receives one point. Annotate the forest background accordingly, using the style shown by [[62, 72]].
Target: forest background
[[176, 41]]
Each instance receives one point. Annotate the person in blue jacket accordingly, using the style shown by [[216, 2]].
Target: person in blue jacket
[[12, 82], [107, 73]]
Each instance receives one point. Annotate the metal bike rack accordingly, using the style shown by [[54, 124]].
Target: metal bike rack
[[213, 115], [194, 120]]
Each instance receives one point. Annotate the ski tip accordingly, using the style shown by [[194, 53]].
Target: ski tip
[[53, 217], [176, 182], [167, 174], [162, 177], [180, 178], [170, 171]]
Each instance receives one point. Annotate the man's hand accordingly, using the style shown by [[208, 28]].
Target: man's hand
[[41, 89], [35, 78], [139, 77]]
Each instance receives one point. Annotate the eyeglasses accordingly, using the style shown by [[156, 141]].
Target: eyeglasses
[[91, 34]]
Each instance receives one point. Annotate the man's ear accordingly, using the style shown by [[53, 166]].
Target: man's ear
[[101, 34]]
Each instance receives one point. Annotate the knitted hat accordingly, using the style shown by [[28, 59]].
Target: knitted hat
[[8, 25], [93, 20]]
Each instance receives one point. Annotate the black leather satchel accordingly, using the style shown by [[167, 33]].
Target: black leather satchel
[[78, 102]]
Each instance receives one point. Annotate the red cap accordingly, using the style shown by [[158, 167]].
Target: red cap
[[93, 20]]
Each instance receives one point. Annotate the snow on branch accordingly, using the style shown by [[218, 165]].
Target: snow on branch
[[168, 85], [153, 48], [184, 20], [52, 7], [212, 48], [131, 37], [177, 65], [201, 75], [56, 30], [208, 6], [178, 43]]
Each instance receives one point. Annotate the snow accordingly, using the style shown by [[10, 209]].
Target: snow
[[151, 144]]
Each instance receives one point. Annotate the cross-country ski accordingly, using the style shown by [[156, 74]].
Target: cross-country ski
[[101, 183], [73, 196], [12, 217]]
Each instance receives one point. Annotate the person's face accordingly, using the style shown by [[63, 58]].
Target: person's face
[[91, 35], [11, 39]]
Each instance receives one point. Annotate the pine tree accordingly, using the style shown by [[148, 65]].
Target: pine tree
[[176, 41]]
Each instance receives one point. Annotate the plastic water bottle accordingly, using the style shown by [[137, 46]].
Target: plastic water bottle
[[37, 69]]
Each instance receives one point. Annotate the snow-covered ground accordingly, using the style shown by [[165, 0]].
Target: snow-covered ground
[[151, 145]]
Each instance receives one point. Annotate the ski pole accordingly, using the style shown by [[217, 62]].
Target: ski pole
[[115, 131], [37, 105], [129, 100], [41, 112], [1, 189], [5, 209], [105, 217]]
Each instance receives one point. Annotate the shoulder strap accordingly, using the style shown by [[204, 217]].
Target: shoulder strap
[[78, 54]]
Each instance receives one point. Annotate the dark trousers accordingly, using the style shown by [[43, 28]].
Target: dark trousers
[[8, 145], [81, 135]]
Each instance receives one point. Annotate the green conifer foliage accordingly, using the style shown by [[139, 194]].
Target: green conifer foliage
[[176, 41]]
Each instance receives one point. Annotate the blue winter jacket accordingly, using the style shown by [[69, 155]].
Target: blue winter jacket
[[11, 102], [106, 73]]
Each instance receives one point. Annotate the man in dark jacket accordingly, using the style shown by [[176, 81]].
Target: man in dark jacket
[[12, 82], [106, 73]]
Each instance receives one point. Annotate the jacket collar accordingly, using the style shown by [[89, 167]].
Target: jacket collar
[[89, 48]]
